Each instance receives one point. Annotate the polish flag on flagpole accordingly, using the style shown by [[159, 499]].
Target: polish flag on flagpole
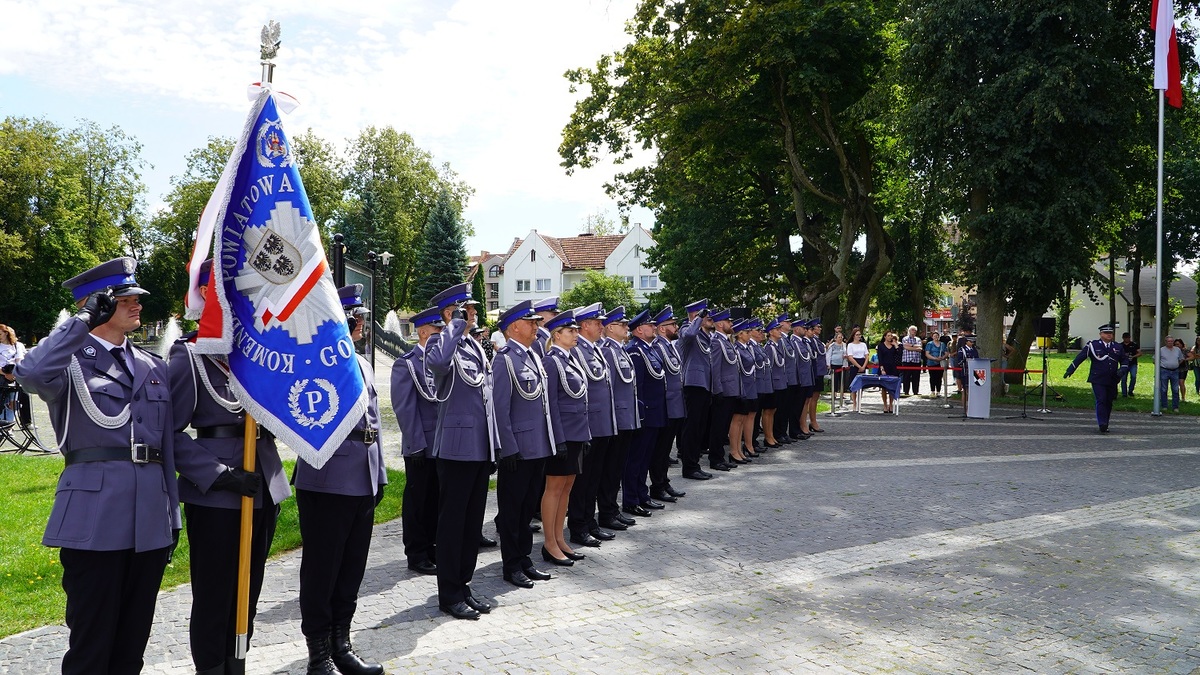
[[1166, 52]]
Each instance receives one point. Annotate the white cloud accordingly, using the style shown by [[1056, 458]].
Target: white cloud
[[479, 84]]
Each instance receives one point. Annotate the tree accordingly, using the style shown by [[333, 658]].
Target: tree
[[767, 112], [441, 259], [609, 290], [479, 290], [391, 187], [601, 224], [1023, 112]]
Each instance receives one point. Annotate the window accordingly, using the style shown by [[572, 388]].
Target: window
[[493, 305], [649, 281], [493, 290], [637, 251], [533, 256], [629, 280], [522, 285], [543, 285], [494, 271]]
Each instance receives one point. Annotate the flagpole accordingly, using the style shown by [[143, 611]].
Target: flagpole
[[249, 448], [1158, 308]]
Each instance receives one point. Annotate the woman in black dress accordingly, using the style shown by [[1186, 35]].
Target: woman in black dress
[[889, 353]]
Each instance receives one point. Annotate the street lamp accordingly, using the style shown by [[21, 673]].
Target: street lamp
[[372, 257]]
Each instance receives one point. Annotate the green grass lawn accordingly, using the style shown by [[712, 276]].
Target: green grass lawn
[[1077, 393], [31, 581]]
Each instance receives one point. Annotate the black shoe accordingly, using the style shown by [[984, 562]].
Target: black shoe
[[561, 562], [731, 465], [319, 661], [673, 461], [637, 510], [517, 579], [575, 556], [478, 604], [697, 475], [535, 528], [585, 539], [602, 535], [720, 467], [773, 446], [486, 542], [1104, 428], [423, 567], [463, 610], [626, 519], [662, 496], [345, 659], [536, 574], [613, 525], [785, 439], [651, 504], [675, 493]]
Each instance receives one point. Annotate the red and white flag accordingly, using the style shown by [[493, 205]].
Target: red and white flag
[[1166, 52]]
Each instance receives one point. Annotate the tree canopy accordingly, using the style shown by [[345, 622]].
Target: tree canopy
[[609, 290]]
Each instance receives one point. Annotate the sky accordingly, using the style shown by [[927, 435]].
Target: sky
[[477, 83]]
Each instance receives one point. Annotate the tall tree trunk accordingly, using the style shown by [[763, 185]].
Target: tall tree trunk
[[989, 328], [1135, 282]]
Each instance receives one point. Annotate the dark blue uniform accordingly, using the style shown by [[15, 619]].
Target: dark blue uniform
[[1107, 358]]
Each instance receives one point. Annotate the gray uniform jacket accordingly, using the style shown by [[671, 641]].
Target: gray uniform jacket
[[106, 505], [779, 373], [522, 409], [624, 384], [568, 391], [695, 343], [822, 364], [804, 361], [762, 368], [788, 349], [673, 365], [602, 419], [725, 376], [201, 460], [747, 372], [414, 400], [356, 468], [463, 380]]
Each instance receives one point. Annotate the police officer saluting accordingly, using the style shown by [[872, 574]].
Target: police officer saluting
[[116, 508], [464, 444], [211, 488], [694, 347], [337, 513], [526, 440], [415, 402], [1106, 358]]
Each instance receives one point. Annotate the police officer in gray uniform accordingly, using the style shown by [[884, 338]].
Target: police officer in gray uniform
[[582, 525], [726, 389], [337, 513], [415, 402], [546, 308], [211, 486], [116, 507], [664, 344], [526, 440], [785, 402], [624, 384], [465, 445], [695, 346]]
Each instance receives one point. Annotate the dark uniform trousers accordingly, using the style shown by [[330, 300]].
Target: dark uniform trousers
[[1105, 393], [517, 497], [693, 437], [721, 413], [581, 505], [420, 514], [214, 536], [110, 602], [637, 466], [661, 461], [796, 401], [783, 409], [610, 477], [337, 537], [462, 499]]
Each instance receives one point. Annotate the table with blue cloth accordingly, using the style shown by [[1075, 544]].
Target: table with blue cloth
[[889, 382]]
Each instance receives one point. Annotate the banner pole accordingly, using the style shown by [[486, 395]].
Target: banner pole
[[1158, 241], [242, 643]]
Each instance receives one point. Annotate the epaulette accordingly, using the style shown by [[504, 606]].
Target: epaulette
[[503, 350], [409, 354]]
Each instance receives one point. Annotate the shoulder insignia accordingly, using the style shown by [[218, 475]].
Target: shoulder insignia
[[502, 350], [147, 351]]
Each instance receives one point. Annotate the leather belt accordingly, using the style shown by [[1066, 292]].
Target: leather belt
[[367, 436], [139, 453], [230, 431]]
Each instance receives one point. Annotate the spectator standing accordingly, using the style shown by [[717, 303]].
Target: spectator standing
[[889, 353], [1170, 357], [857, 356], [835, 356], [935, 359], [1183, 369], [1129, 374], [911, 358]]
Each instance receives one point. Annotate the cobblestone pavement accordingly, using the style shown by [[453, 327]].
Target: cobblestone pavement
[[912, 543]]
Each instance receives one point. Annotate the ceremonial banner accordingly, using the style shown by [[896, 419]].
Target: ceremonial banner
[[276, 313], [1166, 52]]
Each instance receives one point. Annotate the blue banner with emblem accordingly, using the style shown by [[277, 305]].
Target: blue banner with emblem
[[278, 319]]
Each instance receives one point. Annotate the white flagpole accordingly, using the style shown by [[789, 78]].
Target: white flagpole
[[1158, 303]]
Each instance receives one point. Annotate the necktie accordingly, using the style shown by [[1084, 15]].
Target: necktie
[[118, 355]]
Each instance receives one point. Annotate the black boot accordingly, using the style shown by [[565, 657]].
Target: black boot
[[319, 662], [347, 661]]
